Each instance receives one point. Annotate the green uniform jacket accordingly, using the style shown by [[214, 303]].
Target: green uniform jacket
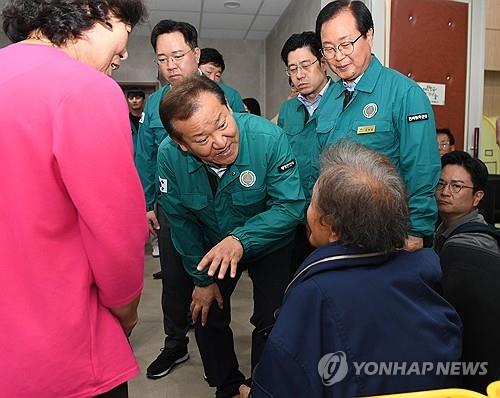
[[306, 139], [392, 115], [259, 198], [152, 133]]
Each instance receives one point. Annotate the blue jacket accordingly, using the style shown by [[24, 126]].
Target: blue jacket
[[365, 307]]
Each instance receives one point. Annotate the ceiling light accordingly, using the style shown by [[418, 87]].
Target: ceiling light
[[232, 4]]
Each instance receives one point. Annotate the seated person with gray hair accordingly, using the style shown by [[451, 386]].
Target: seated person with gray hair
[[358, 298]]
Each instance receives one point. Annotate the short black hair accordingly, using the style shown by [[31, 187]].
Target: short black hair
[[169, 26], [299, 40], [64, 20], [448, 133], [361, 13], [252, 105], [182, 101], [135, 92], [476, 168], [211, 55]]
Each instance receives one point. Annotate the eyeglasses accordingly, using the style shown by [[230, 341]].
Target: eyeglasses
[[443, 144], [455, 187], [345, 48], [292, 70], [176, 59]]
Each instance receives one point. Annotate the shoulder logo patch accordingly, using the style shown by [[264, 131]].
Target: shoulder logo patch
[[247, 178], [287, 166], [416, 118]]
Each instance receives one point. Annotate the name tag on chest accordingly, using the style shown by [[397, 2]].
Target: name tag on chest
[[366, 129]]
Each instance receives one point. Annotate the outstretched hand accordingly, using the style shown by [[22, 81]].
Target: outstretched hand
[[227, 253]]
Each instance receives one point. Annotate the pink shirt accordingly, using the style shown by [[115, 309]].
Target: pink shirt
[[72, 226]]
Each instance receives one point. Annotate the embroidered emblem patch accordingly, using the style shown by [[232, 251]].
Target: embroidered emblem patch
[[287, 166], [416, 118], [370, 110], [247, 178], [163, 185]]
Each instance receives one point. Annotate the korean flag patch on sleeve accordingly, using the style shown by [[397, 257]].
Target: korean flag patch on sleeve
[[163, 185]]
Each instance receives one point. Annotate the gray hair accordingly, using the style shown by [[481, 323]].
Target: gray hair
[[362, 196]]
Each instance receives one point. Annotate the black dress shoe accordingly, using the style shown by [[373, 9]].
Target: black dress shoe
[[157, 275]]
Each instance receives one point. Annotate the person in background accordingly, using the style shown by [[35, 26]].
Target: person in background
[[301, 118], [252, 106], [232, 195], [135, 100], [212, 64], [381, 109], [358, 297], [470, 259], [446, 141], [177, 54], [293, 92], [72, 228]]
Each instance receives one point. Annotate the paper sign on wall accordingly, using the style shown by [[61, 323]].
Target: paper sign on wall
[[435, 92]]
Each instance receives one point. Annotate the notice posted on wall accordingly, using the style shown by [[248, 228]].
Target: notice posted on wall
[[435, 92]]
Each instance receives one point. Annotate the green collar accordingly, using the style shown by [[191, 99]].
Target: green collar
[[368, 80]]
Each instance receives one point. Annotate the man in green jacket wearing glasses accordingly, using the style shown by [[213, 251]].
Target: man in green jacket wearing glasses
[[299, 117], [231, 191], [382, 109]]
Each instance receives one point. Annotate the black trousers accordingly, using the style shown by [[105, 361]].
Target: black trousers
[[270, 276], [118, 392], [177, 288]]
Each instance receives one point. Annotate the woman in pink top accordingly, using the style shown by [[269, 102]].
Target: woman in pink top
[[72, 220]]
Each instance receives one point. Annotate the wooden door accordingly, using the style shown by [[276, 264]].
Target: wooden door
[[429, 43]]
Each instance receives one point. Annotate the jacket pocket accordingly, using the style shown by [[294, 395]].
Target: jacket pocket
[[375, 134], [249, 203], [194, 201]]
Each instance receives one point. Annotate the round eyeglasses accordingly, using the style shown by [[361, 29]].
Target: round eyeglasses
[[455, 187], [345, 48]]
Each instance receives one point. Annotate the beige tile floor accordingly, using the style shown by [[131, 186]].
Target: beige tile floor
[[186, 380]]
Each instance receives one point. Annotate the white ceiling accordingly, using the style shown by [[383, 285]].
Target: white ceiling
[[253, 20]]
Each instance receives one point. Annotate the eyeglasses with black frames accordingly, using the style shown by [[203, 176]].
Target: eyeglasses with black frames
[[345, 48]]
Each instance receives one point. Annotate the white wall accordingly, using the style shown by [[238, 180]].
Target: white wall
[[298, 17], [140, 66], [245, 65]]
